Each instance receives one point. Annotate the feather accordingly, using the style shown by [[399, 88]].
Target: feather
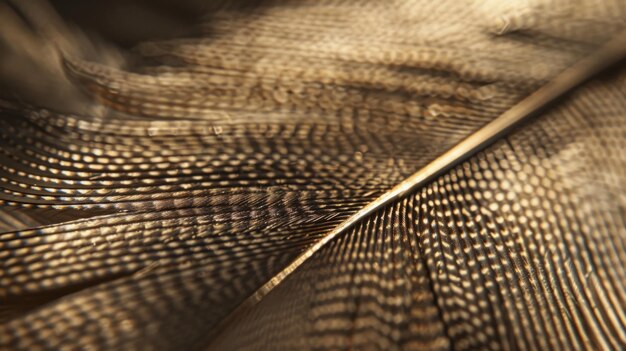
[[213, 165], [378, 243]]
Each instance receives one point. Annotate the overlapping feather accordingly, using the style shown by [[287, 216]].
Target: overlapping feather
[[222, 158]]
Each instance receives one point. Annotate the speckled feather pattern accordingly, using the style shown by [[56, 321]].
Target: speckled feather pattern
[[216, 161]]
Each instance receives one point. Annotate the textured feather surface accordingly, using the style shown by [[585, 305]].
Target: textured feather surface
[[222, 158], [521, 247]]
